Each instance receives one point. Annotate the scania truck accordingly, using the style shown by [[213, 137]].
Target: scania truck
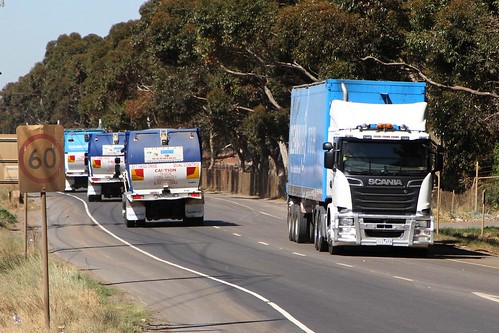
[[361, 166], [75, 150], [105, 162], [162, 178]]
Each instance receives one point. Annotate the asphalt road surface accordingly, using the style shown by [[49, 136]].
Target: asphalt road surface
[[240, 273]]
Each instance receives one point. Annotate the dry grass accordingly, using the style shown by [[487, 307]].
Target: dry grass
[[472, 239], [77, 302]]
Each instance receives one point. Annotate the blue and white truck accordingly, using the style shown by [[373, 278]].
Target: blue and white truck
[[106, 164], [361, 165], [162, 178], [75, 150]]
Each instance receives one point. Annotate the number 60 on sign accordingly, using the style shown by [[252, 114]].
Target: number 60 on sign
[[41, 158]]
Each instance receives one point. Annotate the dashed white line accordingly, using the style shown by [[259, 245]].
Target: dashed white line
[[345, 265], [283, 312], [473, 263], [299, 254], [403, 278], [237, 235], [492, 298], [250, 208], [263, 243]]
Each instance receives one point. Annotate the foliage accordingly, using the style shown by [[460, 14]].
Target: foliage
[[492, 188], [228, 66], [6, 217]]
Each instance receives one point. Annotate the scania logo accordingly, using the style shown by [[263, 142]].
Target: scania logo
[[389, 182]]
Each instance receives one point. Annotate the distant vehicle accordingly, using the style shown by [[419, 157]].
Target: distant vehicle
[[106, 165], [361, 165], [75, 150], [162, 176]]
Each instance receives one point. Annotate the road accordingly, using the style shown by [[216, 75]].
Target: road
[[240, 273]]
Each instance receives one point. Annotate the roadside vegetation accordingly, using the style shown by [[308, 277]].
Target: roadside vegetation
[[78, 303], [472, 238]]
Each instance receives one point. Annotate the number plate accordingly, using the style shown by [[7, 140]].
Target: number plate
[[384, 241]]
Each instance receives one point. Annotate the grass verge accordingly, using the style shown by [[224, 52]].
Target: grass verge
[[77, 302], [472, 239]]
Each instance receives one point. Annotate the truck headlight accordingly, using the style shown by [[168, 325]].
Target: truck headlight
[[422, 224], [346, 221]]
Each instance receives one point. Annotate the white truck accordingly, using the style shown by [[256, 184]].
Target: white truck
[[75, 151], [162, 178], [361, 165], [106, 165]]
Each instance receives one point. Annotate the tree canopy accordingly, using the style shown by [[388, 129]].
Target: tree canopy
[[228, 66]]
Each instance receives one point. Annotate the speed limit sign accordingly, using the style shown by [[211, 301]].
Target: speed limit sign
[[41, 158]]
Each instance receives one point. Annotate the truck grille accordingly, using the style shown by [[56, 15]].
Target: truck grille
[[386, 200]]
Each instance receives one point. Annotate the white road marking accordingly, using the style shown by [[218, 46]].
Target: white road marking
[[472, 263], [237, 235], [299, 254], [492, 298], [263, 243], [247, 291], [216, 227], [346, 265], [248, 207], [403, 278]]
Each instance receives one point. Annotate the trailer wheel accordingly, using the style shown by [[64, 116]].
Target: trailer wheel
[[94, 198], [290, 220], [301, 223], [130, 223], [194, 221]]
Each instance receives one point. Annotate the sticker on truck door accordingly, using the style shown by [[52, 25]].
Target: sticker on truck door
[[163, 154]]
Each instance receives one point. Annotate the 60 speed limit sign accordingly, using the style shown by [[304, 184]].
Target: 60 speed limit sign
[[41, 158]]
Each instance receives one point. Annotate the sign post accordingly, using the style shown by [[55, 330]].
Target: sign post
[[41, 169]]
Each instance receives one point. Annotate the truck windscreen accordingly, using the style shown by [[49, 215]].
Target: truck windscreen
[[382, 157]]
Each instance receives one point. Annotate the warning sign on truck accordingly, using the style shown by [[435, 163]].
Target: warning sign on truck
[[163, 154]]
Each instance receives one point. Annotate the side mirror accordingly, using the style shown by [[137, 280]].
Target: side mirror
[[327, 146], [329, 159]]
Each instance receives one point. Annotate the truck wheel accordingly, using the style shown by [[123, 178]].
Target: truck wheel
[[320, 242], [290, 220], [130, 223], [94, 198], [334, 249], [301, 224], [194, 221]]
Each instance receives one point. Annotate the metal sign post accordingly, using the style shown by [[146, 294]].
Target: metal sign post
[[41, 169]]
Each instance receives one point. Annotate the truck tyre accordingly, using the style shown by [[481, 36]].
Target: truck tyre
[[194, 221], [290, 220], [94, 198], [301, 224], [130, 223], [334, 249], [320, 242]]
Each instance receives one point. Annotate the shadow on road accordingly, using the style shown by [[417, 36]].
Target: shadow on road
[[440, 250]]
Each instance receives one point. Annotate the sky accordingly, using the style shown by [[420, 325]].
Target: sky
[[27, 26]]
